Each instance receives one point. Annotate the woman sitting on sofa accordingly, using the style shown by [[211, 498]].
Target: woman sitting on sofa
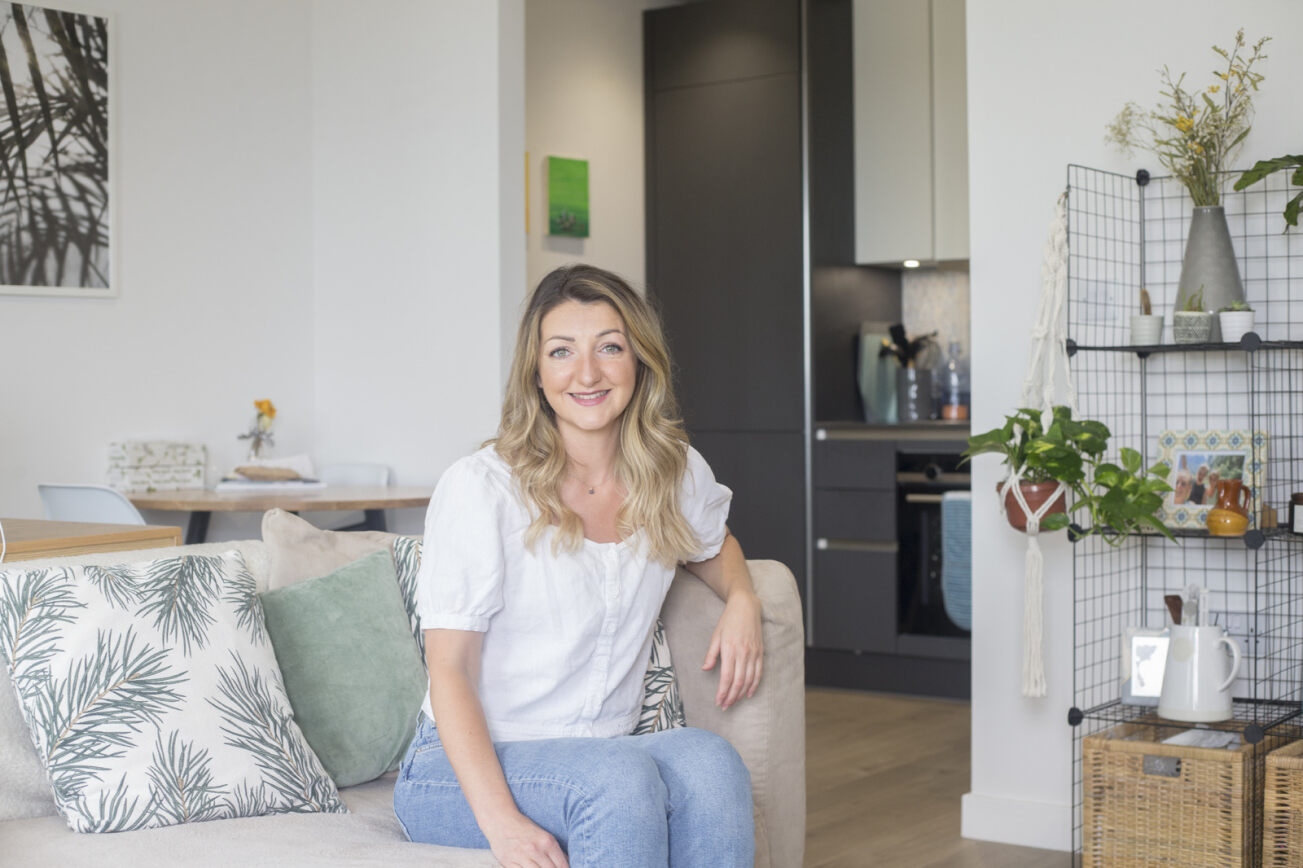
[[547, 556]]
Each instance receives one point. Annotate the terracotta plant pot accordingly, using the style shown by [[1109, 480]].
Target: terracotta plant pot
[[1035, 493]]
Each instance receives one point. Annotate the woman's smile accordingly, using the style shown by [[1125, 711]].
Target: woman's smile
[[590, 399]]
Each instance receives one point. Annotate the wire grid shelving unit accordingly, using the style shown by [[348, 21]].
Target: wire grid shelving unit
[[1126, 232]]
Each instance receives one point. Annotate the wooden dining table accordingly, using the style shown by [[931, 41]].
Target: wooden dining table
[[201, 503]]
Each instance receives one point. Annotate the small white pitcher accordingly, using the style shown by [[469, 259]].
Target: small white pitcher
[[1198, 676]]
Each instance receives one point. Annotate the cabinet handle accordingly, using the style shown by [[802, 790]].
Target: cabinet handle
[[910, 477], [923, 498], [851, 545]]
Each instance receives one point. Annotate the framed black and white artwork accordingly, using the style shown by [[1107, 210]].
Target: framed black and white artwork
[[56, 208]]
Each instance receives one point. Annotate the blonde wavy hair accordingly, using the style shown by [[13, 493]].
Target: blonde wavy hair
[[652, 453]]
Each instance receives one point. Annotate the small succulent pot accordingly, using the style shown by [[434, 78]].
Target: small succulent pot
[[1235, 324], [1146, 329], [1192, 327], [1035, 493]]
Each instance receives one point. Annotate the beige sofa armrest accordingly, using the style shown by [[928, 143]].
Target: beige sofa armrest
[[768, 730]]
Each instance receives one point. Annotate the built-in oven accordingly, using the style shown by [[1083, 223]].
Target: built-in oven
[[922, 478]]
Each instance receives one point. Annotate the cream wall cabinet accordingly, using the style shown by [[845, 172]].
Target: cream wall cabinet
[[911, 131]]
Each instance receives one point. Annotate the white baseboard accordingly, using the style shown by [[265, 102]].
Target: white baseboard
[[1011, 821]]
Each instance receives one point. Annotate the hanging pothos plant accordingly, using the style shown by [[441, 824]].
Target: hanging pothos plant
[[1112, 499]]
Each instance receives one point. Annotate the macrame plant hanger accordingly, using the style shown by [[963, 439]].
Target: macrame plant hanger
[[1047, 356]]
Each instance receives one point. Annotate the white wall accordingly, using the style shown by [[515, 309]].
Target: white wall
[[213, 198], [417, 231], [1043, 82], [584, 100], [310, 202]]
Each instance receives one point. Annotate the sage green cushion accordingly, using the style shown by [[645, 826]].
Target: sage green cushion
[[351, 666]]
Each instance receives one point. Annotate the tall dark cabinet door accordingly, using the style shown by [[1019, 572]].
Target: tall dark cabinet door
[[727, 215], [767, 474], [724, 249]]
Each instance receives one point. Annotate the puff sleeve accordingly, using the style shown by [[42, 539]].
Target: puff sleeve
[[459, 584], [704, 503]]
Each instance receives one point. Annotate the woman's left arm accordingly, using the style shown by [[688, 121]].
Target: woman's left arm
[[737, 644]]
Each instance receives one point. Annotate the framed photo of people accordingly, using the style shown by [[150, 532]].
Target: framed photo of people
[[1200, 462]]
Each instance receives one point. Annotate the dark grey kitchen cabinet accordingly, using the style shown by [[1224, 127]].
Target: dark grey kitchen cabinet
[[856, 606], [724, 253], [721, 41], [725, 257], [876, 493], [766, 471]]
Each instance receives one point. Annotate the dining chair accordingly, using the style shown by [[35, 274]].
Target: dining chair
[[92, 503]]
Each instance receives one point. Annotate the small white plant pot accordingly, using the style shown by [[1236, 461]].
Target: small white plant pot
[[1146, 329], [1235, 324], [1191, 327]]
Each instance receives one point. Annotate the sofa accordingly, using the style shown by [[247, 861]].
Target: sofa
[[768, 731]]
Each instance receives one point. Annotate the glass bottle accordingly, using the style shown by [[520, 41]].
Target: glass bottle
[[954, 385]]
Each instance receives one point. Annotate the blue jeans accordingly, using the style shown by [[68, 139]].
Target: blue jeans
[[681, 797]]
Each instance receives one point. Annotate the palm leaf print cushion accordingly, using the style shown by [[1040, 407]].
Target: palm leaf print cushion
[[662, 708], [153, 696]]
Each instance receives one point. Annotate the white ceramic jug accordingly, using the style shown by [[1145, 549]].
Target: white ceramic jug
[[1198, 675]]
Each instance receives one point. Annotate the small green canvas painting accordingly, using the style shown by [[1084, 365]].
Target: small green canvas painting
[[567, 197]]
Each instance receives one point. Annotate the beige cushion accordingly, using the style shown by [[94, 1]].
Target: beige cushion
[[300, 550]]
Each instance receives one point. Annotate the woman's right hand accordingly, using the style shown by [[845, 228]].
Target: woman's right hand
[[519, 842]]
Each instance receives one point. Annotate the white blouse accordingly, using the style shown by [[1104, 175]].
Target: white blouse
[[567, 636]]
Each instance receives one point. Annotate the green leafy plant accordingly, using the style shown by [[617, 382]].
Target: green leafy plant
[[1263, 168], [1115, 499], [1195, 135], [1236, 306], [1194, 304]]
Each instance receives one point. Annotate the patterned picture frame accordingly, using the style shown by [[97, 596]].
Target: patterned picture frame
[[1198, 459]]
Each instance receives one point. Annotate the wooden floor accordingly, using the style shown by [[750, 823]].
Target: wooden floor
[[884, 775]]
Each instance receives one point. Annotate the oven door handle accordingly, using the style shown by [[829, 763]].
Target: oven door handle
[[913, 477], [922, 498]]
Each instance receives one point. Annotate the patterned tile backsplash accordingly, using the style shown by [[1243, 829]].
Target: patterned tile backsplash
[[933, 300]]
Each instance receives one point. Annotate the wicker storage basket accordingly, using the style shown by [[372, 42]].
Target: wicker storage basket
[[1282, 804], [1148, 804]]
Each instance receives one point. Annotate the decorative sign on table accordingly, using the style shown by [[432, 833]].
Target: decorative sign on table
[[567, 197], [56, 217], [156, 465]]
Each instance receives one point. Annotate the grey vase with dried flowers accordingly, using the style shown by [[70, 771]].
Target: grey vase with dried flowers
[[1195, 135]]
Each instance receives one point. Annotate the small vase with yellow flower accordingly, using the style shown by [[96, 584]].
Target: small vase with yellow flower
[[259, 433]]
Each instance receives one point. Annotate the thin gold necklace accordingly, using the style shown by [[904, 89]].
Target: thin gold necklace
[[592, 489]]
